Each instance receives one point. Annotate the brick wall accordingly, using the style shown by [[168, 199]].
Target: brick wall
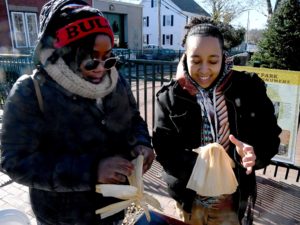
[[16, 5]]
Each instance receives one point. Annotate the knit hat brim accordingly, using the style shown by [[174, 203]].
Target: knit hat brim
[[63, 22]]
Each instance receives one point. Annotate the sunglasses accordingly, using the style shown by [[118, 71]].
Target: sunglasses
[[107, 64]]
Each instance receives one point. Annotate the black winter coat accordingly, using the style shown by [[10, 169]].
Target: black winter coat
[[177, 131], [56, 152]]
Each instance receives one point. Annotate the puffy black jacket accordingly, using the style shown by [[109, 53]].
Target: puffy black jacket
[[56, 152], [177, 131]]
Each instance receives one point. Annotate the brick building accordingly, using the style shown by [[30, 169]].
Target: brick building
[[19, 23]]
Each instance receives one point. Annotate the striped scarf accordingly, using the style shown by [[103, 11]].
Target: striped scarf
[[215, 126]]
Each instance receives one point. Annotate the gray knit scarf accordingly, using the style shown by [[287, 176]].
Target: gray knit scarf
[[74, 83]]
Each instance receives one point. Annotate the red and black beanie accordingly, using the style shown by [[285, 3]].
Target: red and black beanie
[[65, 23]]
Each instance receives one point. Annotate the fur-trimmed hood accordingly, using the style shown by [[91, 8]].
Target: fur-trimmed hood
[[46, 16]]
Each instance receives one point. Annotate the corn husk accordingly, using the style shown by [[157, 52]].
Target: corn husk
[[132, 193], [212, 174]]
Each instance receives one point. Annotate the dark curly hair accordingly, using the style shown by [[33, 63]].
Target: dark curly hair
[[203, 26]]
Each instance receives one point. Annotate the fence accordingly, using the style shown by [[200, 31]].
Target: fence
[[145, 78], [11, 67]]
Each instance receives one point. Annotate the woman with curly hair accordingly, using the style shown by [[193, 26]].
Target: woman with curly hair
[[208, 102], [74, 122]]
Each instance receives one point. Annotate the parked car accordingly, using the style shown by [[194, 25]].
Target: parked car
[[124, 53], [151, 47], [164, 54]]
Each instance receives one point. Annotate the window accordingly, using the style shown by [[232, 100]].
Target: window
[[146, 39], [168, 20], [153, 3], [168, 39], [146, 21], [25, 29]]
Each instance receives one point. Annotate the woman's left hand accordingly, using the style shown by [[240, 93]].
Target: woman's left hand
[[148, 154], [246, 152]]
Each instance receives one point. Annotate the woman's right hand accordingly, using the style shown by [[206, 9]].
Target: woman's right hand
[[246, 152], [114, 170]]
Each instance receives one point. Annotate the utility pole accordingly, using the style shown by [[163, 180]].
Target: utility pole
[[159, 22], [247, 31]]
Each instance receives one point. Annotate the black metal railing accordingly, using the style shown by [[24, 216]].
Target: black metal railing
[[11, 67], [287, 166], [145, 78]]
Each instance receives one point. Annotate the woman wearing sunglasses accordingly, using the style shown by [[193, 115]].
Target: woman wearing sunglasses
[[79, 126]]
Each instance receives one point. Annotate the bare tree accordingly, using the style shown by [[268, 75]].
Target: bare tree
[[226, 11], [254, 36], [271, 9]]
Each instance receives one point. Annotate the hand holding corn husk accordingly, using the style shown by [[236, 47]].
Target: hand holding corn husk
[[133, 193], [212, 174]]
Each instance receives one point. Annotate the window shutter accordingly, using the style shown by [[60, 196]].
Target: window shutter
[[152, 3], [164, 20], [172, 20], [147, 21], [32, 28], [147, 39], [171, 39], [19, 27], [164, 39]]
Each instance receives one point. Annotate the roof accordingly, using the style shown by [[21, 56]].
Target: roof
[[190, 6]]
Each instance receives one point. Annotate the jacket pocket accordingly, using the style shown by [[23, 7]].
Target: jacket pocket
[[179, 121]]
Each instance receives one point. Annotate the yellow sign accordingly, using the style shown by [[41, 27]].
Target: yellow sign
[[272, 75], [283, 88]]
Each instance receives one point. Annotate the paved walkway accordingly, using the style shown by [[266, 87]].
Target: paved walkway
[[278, 201]]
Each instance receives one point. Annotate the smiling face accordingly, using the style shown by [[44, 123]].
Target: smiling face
[[101, 51], [204, 59]]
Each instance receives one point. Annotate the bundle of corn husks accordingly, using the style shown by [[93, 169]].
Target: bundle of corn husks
[[132, 193], [212, 174]]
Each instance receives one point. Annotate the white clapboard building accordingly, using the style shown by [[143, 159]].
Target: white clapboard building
[[172, 15]]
